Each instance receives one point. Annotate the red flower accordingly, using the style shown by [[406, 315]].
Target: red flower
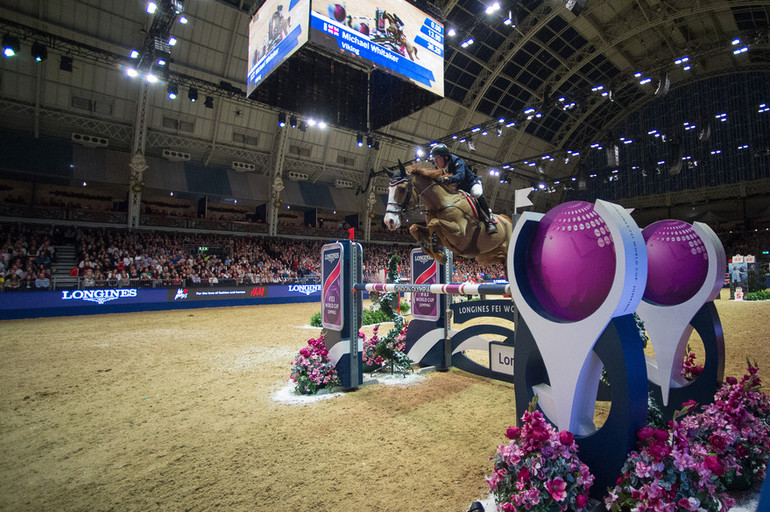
[[645, 433], [718, 442], [539, 434], [512, 432], [731, 380], [524, 475], [581, 501], [714, 465], [566, 438], [659, 450], [661, 434]]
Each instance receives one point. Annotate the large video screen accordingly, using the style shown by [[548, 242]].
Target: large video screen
[[391, 34], [276, 31]]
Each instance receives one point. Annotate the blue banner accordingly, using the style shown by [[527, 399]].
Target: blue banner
[[357, 44], [120, 300]]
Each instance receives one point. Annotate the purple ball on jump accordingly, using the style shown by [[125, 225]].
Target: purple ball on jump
[[337, 12], [571, 261], [677, 262]]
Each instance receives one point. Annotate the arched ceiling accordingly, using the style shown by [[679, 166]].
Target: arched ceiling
[[556, 54]]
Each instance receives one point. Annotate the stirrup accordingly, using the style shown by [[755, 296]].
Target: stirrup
[[491, 228]]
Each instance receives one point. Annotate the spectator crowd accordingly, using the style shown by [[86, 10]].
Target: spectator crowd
[[109, 257]]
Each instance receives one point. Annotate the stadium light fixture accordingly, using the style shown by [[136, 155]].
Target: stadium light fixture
[[11, 45], [39, 52]]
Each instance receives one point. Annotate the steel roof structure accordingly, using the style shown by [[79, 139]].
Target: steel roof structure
[[544, 96]]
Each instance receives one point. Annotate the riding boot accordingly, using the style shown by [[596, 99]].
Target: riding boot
[[491, 228]]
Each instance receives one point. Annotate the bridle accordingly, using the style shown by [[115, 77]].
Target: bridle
[[401, 208]]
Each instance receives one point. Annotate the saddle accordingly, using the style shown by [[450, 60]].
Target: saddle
[[478, 212]]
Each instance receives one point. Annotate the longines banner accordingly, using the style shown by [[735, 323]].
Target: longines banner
[[106, 300], [72, 298]]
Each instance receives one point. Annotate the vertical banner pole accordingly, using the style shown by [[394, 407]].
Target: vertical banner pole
[[356, 306], [445, 301]]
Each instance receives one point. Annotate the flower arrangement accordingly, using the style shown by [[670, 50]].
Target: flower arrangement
[[735, 427], [312, 370], [690, 464], [539, 469], [668, 472], [388, 351]]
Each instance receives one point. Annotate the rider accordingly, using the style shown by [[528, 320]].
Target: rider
[[461, 174]]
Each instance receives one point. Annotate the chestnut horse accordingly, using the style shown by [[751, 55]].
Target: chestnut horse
[[448, 215]]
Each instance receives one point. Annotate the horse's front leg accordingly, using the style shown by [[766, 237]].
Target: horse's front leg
[[429, 245]]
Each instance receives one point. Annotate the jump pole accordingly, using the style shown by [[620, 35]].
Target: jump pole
[[449, 289]]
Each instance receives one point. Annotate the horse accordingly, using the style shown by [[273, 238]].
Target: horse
[[449, 217]]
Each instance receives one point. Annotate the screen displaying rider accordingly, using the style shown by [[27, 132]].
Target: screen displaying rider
[[463, 176]]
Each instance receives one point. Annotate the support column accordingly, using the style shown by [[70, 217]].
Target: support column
[[371, 200], [274, 203], [138, 162]]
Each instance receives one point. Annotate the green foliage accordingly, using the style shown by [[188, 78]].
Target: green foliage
[[755, 282], [758, 295], [376, 316], [315, 320], [387, 300], [654, 413]]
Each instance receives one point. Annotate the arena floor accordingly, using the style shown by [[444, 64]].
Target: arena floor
[[173, 411]]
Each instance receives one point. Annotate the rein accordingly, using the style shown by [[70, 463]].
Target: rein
[[401, 208]]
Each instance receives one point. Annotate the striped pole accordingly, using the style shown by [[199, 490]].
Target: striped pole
[[450, 289]]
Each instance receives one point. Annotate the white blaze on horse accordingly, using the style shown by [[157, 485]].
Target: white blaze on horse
[[450, 216]]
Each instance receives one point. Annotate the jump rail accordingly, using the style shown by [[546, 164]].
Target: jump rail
[[448, 289]]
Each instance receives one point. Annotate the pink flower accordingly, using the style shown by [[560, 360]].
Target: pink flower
[[566, 438], [661, 434], [523, 475], [512, 432], [731, 380], [557, 488], [581, 501], [508, 507]]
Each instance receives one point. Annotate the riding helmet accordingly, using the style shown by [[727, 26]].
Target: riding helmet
[[439, 150]]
